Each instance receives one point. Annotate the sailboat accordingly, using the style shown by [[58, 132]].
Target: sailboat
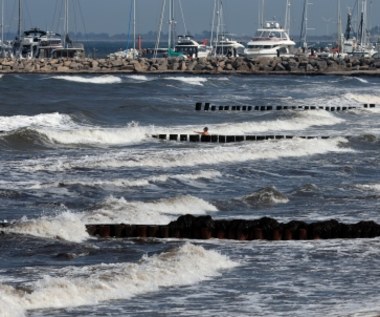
[[38, 43], [129, 52], [69, 48], [359, 46], [181, 46], [222, 44], [5, 46]]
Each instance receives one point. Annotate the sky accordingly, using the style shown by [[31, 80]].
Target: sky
[[240, 16]]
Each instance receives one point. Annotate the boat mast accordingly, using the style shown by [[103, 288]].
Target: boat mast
[[172, 22], [134, 29], [159, 28], [287, 17], [2, 28], [66, 24], [20, 17], [339, 29], [213, 22], [304, 26], [363, 24], [261, 13]]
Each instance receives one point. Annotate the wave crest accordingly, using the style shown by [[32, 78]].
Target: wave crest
[[265, 196]]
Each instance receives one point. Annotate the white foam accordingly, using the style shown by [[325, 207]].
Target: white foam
[[96, 136], [41, 120], [362, 80], [225, 154], [104, 79], [1, 76], [300, 121], [66, 226], [193, 80], [370, 187], [119, 210], [138, 77], [90, 285], [363, 98], [10, 303], [167, 158]]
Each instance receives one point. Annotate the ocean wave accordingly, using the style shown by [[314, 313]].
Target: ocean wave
[[162, 211], [97, 136], [138, 77], [265, 196], [89, 285], [362, 80], [139, 182], [253, 151], [193, 80], [24, 138], [65, 226], [65, 133], [103, 79], [9, 123], [363, 98], [369, 187]]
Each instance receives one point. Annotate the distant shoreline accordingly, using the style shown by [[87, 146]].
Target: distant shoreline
[[298, 66]]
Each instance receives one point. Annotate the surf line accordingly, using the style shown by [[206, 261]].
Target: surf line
[[204, 227], [208, 107]]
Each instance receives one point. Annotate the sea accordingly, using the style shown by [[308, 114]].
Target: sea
[[78, 149]]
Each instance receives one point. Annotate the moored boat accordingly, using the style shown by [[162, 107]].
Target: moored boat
[[271, 40], [189, 47]]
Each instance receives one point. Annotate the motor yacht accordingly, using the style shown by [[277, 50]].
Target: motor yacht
[[270, 40], [191, 48]]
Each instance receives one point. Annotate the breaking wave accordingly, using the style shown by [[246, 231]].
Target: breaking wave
[[89, 285], [162, 211], [104, 79], [265, 196], [193, 80]]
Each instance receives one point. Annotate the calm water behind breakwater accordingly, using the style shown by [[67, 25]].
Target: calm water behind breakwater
[[78, 150]]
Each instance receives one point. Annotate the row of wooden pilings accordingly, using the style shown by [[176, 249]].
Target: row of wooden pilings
[[208, 107], [216, 138], [204, 227]]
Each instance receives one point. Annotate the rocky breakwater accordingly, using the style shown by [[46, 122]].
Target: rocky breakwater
[[212, 65]]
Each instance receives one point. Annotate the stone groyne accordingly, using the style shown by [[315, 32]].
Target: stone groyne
[[216, 65]]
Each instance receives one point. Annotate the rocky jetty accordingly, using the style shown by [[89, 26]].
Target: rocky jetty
[[221, 65], [204, 227]]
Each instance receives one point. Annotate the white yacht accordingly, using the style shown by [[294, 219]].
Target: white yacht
[[227, 47], [36, 43], [270, 40], [191, 48]]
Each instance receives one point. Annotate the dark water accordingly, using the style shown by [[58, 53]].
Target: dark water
[[78, 149]]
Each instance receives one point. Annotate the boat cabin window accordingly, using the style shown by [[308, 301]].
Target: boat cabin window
[[270, 35]]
